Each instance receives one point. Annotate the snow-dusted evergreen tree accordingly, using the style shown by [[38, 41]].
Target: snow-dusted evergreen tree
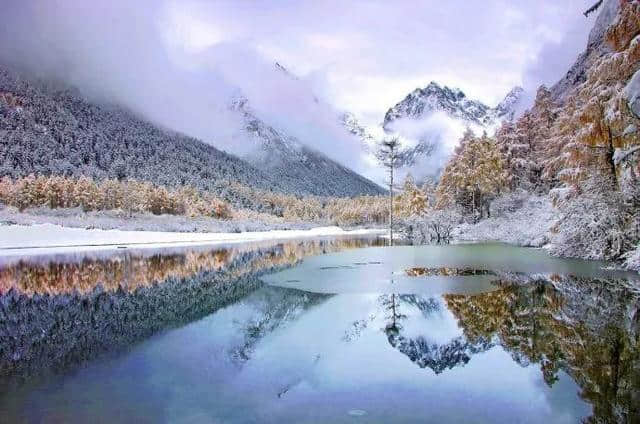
[[525, 144]]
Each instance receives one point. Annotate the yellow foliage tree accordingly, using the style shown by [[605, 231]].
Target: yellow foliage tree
[[473, 175]]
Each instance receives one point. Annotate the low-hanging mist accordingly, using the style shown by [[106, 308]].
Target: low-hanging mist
[[118, 53]]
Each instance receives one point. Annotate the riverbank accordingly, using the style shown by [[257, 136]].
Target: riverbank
[[527, 220], [51, 238], [121, 220]]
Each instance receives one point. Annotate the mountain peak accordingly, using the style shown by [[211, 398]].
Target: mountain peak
[[507, 107], [422, 102], [437, 89], [435, 98]]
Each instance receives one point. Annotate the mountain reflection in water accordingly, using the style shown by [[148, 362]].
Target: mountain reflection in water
[[537, 347]]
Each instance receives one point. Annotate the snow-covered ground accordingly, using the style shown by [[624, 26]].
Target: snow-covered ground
[[520, 219], [632, 260], [119, 220], [50, 238]]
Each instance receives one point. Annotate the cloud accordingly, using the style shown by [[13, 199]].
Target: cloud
[[170, 66], [439, 130], [555, 56]]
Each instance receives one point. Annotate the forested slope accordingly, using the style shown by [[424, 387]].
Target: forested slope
[[51, 131]]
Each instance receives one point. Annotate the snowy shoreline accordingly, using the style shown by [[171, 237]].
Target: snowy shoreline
[[25, 240]]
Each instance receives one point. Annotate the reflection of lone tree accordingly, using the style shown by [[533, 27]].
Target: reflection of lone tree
[[391, 304]]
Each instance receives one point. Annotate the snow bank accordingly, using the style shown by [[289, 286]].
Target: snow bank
[[118, 220], [519, 219], [49, 238]]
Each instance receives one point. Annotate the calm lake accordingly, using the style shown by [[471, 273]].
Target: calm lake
[[334, 330]]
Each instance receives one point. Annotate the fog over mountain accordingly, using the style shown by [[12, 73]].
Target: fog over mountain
[[180, 64]]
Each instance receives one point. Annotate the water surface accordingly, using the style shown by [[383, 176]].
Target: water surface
[[329, 330]]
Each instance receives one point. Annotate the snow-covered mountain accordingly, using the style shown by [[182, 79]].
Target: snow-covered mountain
[[57, 131], [423, 102], [367, 136], [506, 109], [291, 140], [431, 120], [412, 151], [285, 158]]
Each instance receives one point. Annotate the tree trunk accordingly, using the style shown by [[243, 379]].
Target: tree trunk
[[612, 164], [473, 205], [391, 205]]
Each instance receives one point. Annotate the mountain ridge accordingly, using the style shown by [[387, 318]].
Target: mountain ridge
[[422, 102], [288, 159]]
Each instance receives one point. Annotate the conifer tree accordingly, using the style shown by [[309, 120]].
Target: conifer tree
[[390, 157], [473, 176]]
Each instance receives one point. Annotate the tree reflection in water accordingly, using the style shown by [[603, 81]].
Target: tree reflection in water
[[588, 328], [56, 313]]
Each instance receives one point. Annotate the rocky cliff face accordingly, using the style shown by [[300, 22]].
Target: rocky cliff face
[[597, 128], [596, 48]]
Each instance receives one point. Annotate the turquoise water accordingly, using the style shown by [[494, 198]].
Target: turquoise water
[[320, 331]]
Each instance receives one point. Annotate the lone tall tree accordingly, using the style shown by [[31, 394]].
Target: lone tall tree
[[390, 157]]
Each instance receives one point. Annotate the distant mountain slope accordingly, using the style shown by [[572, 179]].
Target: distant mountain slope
[[409, 157], [353, 126], [422, 102], [47, 131], [286, 159], [52, 131]]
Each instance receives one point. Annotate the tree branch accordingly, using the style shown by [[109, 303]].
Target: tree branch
[[592, 8]]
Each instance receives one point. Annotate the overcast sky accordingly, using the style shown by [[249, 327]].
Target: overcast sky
[[178, 62], [360, 55], [367, 55]]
